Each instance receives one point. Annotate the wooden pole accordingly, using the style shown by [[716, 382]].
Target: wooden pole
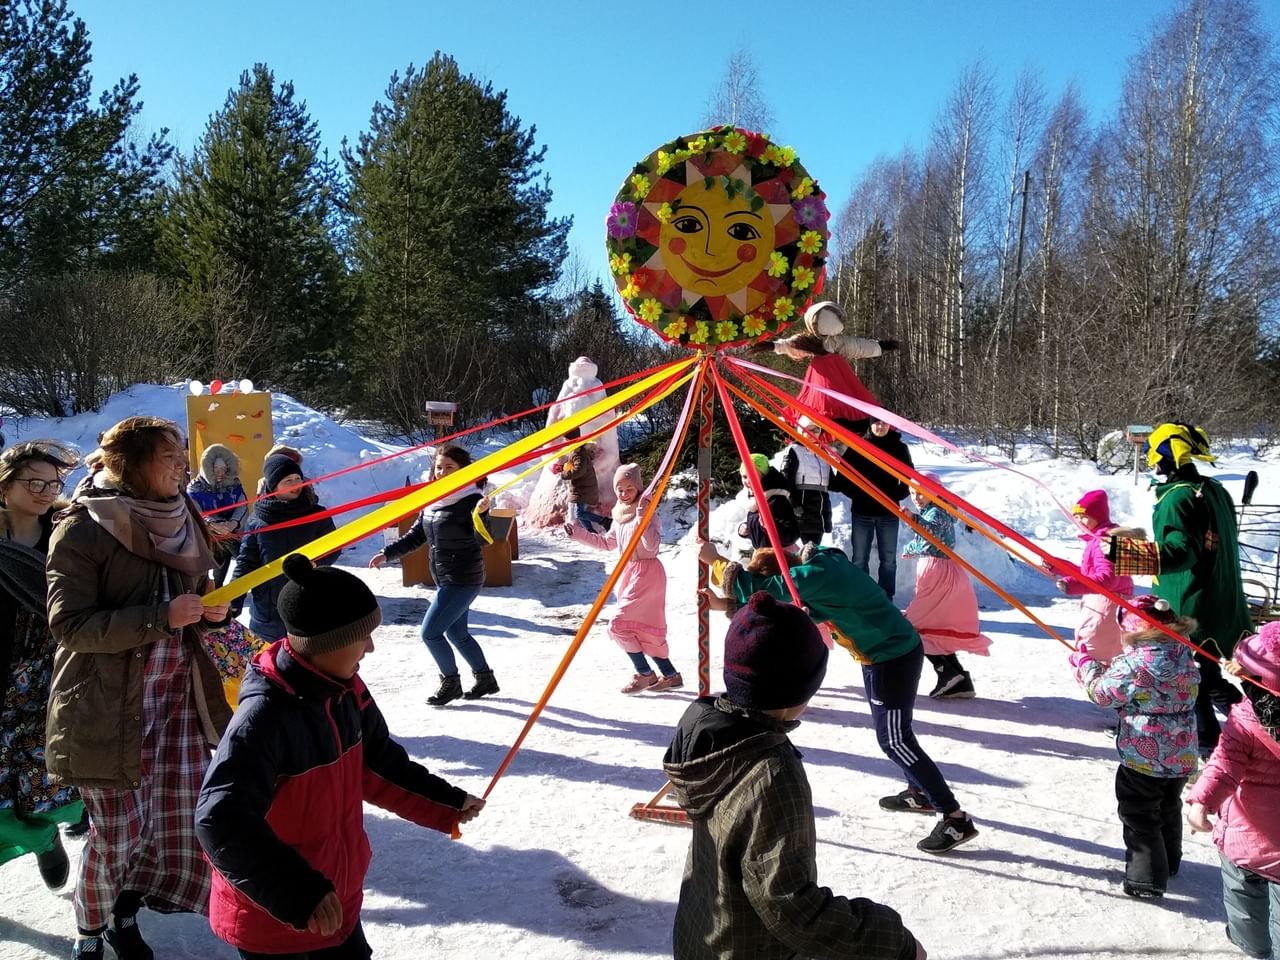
[[706, 408]]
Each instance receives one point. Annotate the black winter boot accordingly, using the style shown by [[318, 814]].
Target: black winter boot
[[450, 690], [485, 685], [54, 865], [126, 940]]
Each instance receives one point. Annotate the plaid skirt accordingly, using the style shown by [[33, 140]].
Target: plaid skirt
[[144, 839]]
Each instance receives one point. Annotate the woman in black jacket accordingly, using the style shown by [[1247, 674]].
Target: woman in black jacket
[[457, 567], [288, 500], [871, 521]]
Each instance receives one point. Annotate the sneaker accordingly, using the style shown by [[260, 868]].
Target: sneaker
[[88, 948], [640, 682], [908, 801], [126, 940], [54, 865], [668, 683], [956, 687], [948, 833]]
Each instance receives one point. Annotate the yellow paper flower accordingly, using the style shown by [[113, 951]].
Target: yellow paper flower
[[778, 265], [701, 330], [665, 162], [620, 263], [665, 213], [735, 142], [803, 189], [752, 325], [787, 155], [726, 330], [630, 290], [801, 278], [676, 328], [810, 241], [639, 185], [783, 308], [698, 145], [772, 154], [650, 310]]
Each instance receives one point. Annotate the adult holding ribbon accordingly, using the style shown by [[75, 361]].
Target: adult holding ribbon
[[1194, 556]]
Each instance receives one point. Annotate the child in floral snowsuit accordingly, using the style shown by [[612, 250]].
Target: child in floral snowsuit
[[1153, 685]]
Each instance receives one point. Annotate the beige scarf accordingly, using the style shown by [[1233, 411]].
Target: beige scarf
[[163, 531]]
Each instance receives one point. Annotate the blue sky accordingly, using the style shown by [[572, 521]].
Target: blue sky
[[605, 83]]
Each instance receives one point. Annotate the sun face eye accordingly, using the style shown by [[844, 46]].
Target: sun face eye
[[743, 231], [687, 224]]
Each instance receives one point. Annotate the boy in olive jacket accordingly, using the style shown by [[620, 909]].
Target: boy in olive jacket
[[750, 883]]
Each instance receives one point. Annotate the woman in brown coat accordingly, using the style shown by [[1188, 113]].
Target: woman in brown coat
[[136, 702]]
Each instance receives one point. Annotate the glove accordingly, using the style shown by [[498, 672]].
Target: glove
[[557, 467], [1081, 656], [761, 346], [888, 344]]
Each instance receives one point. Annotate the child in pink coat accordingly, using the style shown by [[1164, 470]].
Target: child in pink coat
[[639, 624], [944, 610], [1098, 627], [1241, 784]]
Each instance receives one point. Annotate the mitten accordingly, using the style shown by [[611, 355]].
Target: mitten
[[888, 344], [557, 467]]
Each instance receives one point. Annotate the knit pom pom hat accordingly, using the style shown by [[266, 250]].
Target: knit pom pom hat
[[323, 608], [1260, 654], [1156, 609], [1094, 504], [774, 657]]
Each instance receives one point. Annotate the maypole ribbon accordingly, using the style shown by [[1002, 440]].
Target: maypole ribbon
[[845, 470], [907, 426], [372, 522], [447, 439], [677, 440]]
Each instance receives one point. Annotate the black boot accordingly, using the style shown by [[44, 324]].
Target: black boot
[[126, 940], [450, 690], [54, 865], [81, 826], [485, 684], [941, 668]]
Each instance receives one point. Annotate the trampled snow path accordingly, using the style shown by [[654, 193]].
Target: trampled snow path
[[555, 868]]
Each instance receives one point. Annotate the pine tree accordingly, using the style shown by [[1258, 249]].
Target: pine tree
[[451, 241], [76, 191], [249, 235]]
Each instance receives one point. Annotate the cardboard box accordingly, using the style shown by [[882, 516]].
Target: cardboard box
[[415, 567]]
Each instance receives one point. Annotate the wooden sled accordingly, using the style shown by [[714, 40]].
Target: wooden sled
[[661, 812]]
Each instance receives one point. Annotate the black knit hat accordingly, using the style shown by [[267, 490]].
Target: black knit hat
[[774, 657], [323, 608], [277, 467]]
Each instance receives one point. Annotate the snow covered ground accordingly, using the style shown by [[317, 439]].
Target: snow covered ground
[[555, 868]]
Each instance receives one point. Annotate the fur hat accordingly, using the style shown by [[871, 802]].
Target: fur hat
[[1094, 504], [774, 657], [1260, 654], [824, 319], [277, 468], [324, 608], [1157, 609], [210, 457]]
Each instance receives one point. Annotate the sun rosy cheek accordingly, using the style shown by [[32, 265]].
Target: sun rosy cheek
[[676, 245], [747, 252]]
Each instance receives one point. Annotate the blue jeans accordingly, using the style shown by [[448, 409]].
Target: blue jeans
[[445, 623], [1253, 909], [588, 519], [884, 530], [891, 691]]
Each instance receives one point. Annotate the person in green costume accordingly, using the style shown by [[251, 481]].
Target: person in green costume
[[1194, 556]]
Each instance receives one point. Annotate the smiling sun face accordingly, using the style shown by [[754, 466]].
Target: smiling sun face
[[714, 244]]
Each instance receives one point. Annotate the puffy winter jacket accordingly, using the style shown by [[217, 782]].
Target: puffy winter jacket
[[1095, 565], [456, 545], [211, 495], [579, 471], [777, 494], [259, 547], [281, 812], [750, 885], [1153, 684], [1241, 784]]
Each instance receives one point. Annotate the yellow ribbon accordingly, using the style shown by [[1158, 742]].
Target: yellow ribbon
[[370, 523]]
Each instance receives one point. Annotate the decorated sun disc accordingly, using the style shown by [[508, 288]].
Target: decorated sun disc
[[718, 238]]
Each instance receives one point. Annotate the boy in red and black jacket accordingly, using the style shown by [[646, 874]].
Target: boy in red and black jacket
[[281, 814]]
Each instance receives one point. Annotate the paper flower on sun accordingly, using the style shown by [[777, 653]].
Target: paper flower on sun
[[718, 238]]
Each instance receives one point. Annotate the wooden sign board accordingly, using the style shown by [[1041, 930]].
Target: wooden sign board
[[415, 567], [240, 421]]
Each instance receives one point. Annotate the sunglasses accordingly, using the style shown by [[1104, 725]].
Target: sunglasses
[[36, 486]]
